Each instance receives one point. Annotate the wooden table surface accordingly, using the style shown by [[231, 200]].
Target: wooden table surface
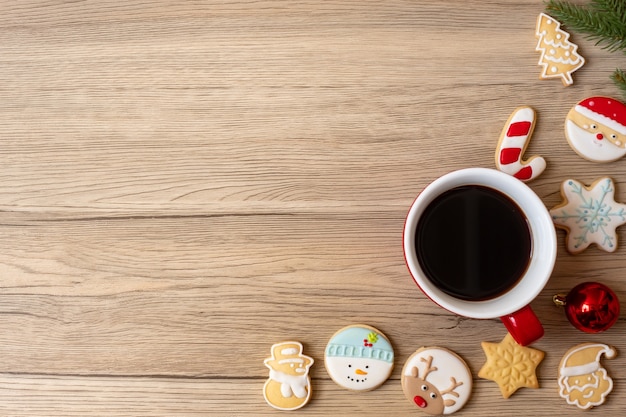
[[183, 184]]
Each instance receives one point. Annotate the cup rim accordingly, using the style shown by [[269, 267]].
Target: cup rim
[[543, 252]]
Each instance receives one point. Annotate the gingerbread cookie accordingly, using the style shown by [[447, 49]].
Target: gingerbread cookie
[[559, 56], [583, 381], [510, 365], [436, 380], [589, 215], [595, 129], [289, 384], [359, 357], [513, 142]]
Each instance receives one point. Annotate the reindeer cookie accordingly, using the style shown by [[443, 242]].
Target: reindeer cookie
[[436, 380], [289, 384]]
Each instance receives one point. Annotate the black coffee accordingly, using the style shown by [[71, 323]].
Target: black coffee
[[473, 242]]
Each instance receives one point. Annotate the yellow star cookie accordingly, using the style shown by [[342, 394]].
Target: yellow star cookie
[[510, 365]]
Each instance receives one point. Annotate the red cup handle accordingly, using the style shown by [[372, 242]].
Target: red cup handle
[[523, 325]]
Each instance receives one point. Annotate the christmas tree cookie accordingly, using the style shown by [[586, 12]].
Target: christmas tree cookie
[[559, 57]]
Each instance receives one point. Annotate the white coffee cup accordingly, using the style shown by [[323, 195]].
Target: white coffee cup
[[512, 306]]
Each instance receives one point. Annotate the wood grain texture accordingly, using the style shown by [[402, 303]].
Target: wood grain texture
[[183, 184]]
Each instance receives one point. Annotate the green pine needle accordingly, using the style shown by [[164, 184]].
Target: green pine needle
[[603, 21], [619, 78]]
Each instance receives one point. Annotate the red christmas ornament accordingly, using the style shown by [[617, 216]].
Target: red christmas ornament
[[591, 307]]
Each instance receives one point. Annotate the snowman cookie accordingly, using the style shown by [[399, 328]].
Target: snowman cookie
[[583, 381], [596, 129], [289, 384], [359, 358], [436, 380]]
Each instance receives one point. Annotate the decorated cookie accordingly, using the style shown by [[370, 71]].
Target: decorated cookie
[[559, 57], [510, 365], [589, 215], [289, 384], [436, 380], [596, 129], [582, 379], [359, 357], [513, 142]]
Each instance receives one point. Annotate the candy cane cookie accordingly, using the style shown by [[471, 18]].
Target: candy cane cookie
[[513, 142]]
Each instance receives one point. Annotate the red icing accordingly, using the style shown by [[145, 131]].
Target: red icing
[[606, 106], [524, 173], [420, 402], [510, 155], [519, 129]]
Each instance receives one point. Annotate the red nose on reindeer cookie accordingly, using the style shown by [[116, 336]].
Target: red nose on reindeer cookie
[[596, 129]]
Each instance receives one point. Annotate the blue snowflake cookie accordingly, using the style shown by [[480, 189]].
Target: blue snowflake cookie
[[589, 215]]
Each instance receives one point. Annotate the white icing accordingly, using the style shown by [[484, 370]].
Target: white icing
[[556, 44], [291, 384], [580, 369], [556, 60], [448, 365], [289, 351], [291, 360], [589, 147], [358, 374]]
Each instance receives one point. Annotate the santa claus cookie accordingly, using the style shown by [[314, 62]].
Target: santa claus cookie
[[583, 381], [289, 384], [359, 357], [596, 129], [436, 380]]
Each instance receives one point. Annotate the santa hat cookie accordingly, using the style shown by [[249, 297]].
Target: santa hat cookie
[[596, 129], [582, 379]]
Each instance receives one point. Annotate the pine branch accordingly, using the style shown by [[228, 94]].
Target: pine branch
[[619, 78], [603, 21]]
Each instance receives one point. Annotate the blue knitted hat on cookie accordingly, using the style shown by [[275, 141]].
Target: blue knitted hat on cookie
[[360, 342]]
